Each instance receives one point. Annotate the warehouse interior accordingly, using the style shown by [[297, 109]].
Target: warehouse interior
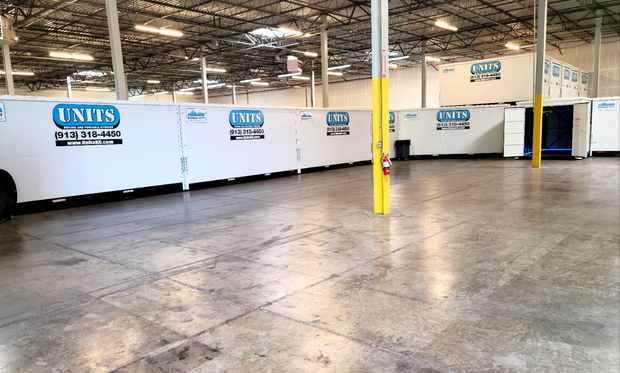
[[232, 186]]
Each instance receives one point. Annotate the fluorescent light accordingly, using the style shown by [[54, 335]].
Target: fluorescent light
[[311, 54], [187, 89], [160, 31], [151, 81], [196, 59], [26, 73], [290, 32], [338, 67], [209, 81], [445, 26], [512, 46], [306, 35], [263, 84], [300, 77], [398, 58], [161, 93], [434, 59], [228, 86], [215, 70], [184, 93], [250, 80], [216, 86], [392, 65], [288, 75], [98, 89], [336, 73], [81, 57]]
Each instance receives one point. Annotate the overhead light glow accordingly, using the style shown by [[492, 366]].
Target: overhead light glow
[[311, 54], [161, 31], [215, 70], [81, 57], [307, 35], [290, 32], [512, 46], [228, 86], [300, 77], [161, 93], [288, 75], [98, 89], [262, 84], [196, 59], [392, 65], [25, 73], [184, 93], [187, 89], [446, 26], [214, 86], [151, 81], [434, 59], [335, 73], [250, 80], [338, 67], [398, 58]]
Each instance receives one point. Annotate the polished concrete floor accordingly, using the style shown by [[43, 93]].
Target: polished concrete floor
[[483, 266]]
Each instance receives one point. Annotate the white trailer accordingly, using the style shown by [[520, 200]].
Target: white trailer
[[566, 128], [605, 125], [457, 130], [555, 80]]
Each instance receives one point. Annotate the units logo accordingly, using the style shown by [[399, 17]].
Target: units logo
[[77, 116], [456, 119], [584, 78], [246, 124], [574, 77], [485, 71], [196, 115], [556, 70], [2, 112], [392, 121], [410, 116], [606, 105], [86, 125], [546, 67], [566, 74], [337, 123]]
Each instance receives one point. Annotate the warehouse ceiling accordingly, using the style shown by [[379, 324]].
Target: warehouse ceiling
[[227, 31]]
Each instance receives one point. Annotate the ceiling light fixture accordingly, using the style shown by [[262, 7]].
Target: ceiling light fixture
[[187, 89], [161, 93], [152, 81], [288, 75], [512, 46], [398, 58], [392, 65], [335, 73], [446, 26], [184, 93], [290, 32], [250, 80], [262, 84], [215, 70], [338, 67], [81, 57], [161, 31], [434, 59], [214, 86], [301, 77], [25, 73], [311, 54], [98, 89]]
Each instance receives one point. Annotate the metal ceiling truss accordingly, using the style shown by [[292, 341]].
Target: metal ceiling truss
[[224, 28]]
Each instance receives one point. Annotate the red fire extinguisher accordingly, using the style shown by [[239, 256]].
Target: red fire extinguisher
[[386, 163]]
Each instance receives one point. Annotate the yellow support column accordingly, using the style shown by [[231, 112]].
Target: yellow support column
[[380, 104], [537, 135]]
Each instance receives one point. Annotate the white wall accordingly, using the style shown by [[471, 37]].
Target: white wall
[[582, 56]]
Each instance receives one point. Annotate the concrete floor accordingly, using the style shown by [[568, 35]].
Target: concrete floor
[[483, 266]]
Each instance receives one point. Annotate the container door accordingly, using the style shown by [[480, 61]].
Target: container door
[[574, 81], [555, 80], [514, 132], [581, 130]]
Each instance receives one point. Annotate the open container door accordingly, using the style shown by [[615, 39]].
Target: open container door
[[514, 132], [581, 130]]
